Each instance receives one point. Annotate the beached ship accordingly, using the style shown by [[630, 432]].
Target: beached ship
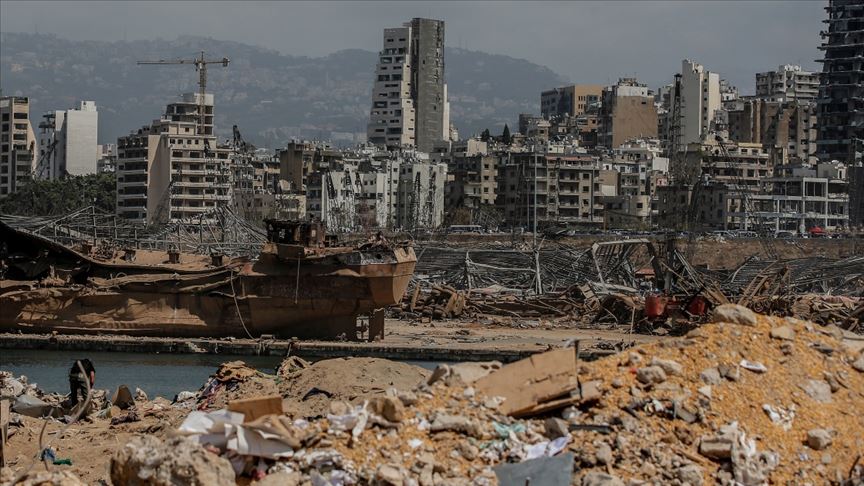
[[301, 285]]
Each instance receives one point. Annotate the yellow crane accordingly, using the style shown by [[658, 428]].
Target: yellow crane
[[200, 64]]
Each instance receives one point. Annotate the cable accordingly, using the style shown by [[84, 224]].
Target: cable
[[237, 305]]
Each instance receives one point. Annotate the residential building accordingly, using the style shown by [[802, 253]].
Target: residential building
[[698, 99], [107, 162], [841, 93], [68, 142], [472, 182], [788, 83], [409, 98], [173, 169], [627, 112], [17, 144], [786, 129], [573, 100], [301, 158], [856, 196], [558, 188]]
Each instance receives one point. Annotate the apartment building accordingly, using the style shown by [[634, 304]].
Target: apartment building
[[300, 158], [559, 188], [68, 142], [841, 95], [17, 144], [572, 100], [107, 162], [786, 129], [698, 100], [409, 97], [173, 169], [788, 83], [627, 112]]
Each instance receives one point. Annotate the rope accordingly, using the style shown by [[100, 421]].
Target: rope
[[237, 305]]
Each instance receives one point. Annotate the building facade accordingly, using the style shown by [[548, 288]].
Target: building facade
[[787, 83], [173, 169], [841, 94], [698, 100], [627, 112], [786, 129], [18, 153], [573, 100], [68, 142], [409, 97]]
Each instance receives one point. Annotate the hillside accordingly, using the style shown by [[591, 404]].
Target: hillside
[[271, 96]]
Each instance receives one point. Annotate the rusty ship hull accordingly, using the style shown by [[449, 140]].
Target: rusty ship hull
[[317, 294]]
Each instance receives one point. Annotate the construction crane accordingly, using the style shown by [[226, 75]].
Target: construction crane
[[200, 64]]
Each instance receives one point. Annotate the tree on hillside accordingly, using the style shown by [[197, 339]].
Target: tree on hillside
[[60, 196], [505, 137]]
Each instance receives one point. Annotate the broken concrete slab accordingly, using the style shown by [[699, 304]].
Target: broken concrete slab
[[148, 461], [734, 314], [543, 471]]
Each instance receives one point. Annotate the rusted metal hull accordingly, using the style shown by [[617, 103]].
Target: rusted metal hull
[[308, 297]]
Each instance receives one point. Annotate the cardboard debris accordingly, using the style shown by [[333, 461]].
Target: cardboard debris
[[254, 408], [528, 383]]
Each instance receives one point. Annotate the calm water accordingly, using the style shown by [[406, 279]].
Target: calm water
[[157, 374]]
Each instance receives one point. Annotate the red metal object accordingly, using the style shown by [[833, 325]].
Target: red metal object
[[655, 305], [697, 306]]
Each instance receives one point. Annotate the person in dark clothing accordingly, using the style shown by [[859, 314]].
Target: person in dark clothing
[[78, 381]]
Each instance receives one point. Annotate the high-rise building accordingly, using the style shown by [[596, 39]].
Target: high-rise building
[[409, 99], [68, 142], [627, 112], [171, 170], [787, 83], [571, 100], [786, 129], [699, 99], [841, 94], [17, 144]]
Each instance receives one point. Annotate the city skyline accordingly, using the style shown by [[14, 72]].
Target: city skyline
[[569, 41]]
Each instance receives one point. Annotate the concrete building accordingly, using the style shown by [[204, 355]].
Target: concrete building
[[409, 98], [797, 199], [17, 144], [572, 100], [68, 142], [787, 83], [173, 169], [841, 94], [627, 112], [698, 100], [856, 196], [420, 200], [300, 158], [564, 189], [786, 130], [107, 162]]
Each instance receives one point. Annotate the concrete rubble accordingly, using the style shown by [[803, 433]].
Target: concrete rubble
[[674, 412]]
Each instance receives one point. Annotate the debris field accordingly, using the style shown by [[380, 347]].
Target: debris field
[[745, 400]]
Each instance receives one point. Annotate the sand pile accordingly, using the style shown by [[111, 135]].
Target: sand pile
[[308, 391]]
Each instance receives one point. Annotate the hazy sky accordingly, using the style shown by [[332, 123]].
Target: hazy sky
[[593, 42]]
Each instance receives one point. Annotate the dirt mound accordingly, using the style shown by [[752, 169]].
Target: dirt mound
[[308, 391]]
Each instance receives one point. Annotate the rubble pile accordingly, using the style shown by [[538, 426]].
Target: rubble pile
[[748, 400]]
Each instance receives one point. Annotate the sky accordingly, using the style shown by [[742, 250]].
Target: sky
[[587, 42]]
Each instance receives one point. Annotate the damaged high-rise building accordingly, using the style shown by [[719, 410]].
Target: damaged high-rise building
[[409, 99]]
